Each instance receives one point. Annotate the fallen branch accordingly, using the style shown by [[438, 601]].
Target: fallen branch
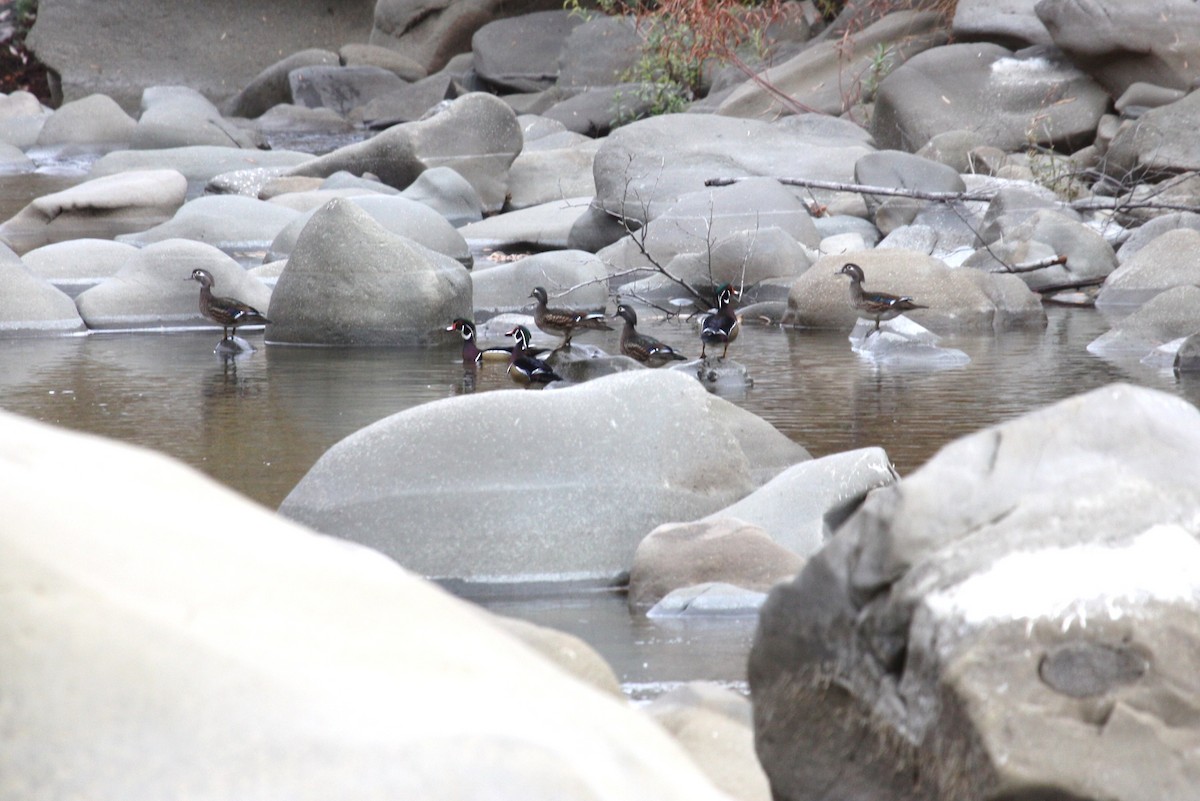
[[1030, 266]]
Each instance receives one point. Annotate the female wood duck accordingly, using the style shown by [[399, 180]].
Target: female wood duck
[[563, 322], [641, 347], [225, 312], [525, 368], [876, 305], [472, 353], [724, 325]]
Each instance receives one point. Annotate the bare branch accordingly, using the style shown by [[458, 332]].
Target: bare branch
[[1031, 266]]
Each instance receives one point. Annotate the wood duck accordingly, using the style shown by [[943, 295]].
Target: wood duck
[[723, 326], [525, 368], [641, 347], [228, 313], [876, 305], [564, 322], [472, 353]]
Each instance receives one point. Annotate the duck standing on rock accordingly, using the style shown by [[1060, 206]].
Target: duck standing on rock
[[524, 368], [564, 322], [876, 305], [641, 347], [228, 313], [723, 326]]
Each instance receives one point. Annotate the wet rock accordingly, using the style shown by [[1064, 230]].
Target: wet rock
[[271, 86], [707, 600], [903, 344], [477, 135], [1166, 261], [30, 305], [586, 362], [713, 725], [447, 491], [814, 77], [958, 300], [1007, 97], [984, 652], [1168, 315], [198, 163], [176, 116], [101, 208], [92, 124], [350, 281], [520, 54], [152, 290], [448, 193], [506, 286], [397, 214], [1012, 23], [229, 222], [722, 376], [1120, 43], [1187, 357], [801, 507], [77, 264], [718, 549], [138, 604]]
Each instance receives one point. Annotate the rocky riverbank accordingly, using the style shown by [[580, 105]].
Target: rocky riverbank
[[1014, 620]]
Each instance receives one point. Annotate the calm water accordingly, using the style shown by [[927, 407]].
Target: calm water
[[259, 423]]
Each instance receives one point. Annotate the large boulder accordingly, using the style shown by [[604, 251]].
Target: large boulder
[[198, 163], [431, 32], [1017, 612], [520, 54], [350, 281], [151, 649], [152, 290], [229, 222], [90, 124], [558, 485], [78, 264], [1012, 99], [1169, 315], [178, 116], [30, 305], [102, 208], [506, 286], [962, 300], [271, 86], [1159, 143], [1167, 261], [476, 135], [216, 48]]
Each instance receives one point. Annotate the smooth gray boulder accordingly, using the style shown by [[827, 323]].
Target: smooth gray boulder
[[546, 226], [356, 54], [448, 493], [802, 506], [1012, 23], [351, 281], [431, 32], [712, 599], [339, 88], [718, 548], [78, 264], [177, 116], [1016, 612], [541, 176], [152, 289], [120, 49], [90, 124], [447, 193], [567, 651], [506, 286], [272, 86], [598, 110], [521, 54], [1167, 261], [1048, 234], [477, 135], [22, 116], [198, 163], [124, 608], [228, 222], [1160, 143], [958, 300], [1010, 98], [647, 166], [1168, 315], [397, 214], [818, 78], [30, 305], [1149, 231], [599, 52], [100, 208], [1120, 43]]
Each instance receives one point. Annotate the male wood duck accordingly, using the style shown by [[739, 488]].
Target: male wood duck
[[228, 313], [641, 347], [472, 353], [564, 322], [525, 368], [876, 305], [723, 326]]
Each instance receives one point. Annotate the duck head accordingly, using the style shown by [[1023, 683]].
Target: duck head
[[203, 276], [465, 328], [853, 270], [626, 313]]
